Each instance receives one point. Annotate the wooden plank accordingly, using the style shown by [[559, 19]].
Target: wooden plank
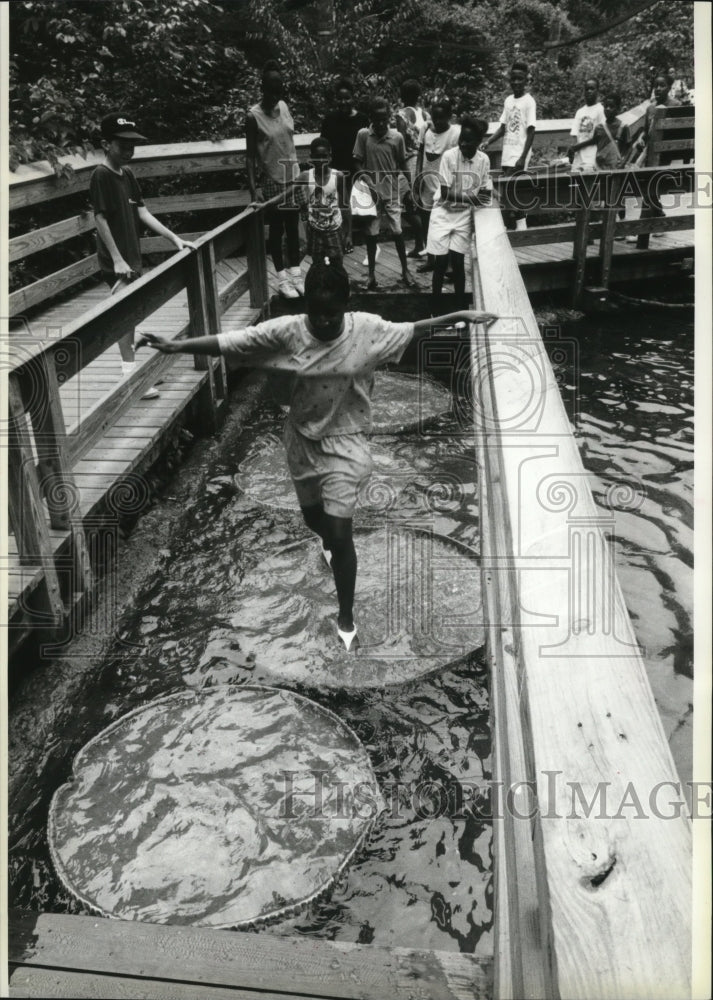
[[614, 892], [27, 515], [520, 966], [203, 957], [50, 236], [208, 200], [26, 981], [672, 145], [54, 283], [35, 182], [93, 423]]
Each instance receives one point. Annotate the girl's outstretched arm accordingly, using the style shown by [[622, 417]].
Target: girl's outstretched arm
[[191, 345], [463, 316]]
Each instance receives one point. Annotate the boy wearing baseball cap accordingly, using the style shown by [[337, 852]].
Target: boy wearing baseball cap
[[119, 211]]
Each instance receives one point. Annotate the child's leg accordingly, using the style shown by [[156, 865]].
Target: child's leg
[[338, 532], [458, 268], [274, 237], [291, 222], [440, 262], [126, 347]]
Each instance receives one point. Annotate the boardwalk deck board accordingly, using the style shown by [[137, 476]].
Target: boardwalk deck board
[[157, 961]]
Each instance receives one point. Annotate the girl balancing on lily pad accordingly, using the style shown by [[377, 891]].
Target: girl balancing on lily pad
[[333, 354]]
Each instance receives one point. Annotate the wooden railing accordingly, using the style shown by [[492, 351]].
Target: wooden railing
[[593, 862], [596, 199], [35, 184], [41, 455]]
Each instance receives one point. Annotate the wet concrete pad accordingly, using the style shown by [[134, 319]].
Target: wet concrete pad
[[181, 812]]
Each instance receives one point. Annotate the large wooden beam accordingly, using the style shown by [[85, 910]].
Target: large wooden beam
[[611, 832], [197, 962]]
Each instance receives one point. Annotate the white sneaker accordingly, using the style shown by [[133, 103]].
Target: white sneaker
[[285, 286], [631, 239], [295, 276], [520, 223], [151, 393], [365, 262]]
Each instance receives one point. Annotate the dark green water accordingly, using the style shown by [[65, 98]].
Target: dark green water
[[425, 880]]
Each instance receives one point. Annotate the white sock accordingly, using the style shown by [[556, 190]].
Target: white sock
[[127, 368], [520, 223]]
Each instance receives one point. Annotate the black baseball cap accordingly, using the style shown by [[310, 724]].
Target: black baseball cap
[[120, 126]]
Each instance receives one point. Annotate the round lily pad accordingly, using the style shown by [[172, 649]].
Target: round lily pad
[[417, 609], [420, 473], [403, 402], [221, 808]]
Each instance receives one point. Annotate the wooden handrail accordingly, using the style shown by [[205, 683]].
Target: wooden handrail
[[42, 455], [576, 715], [36, 182]]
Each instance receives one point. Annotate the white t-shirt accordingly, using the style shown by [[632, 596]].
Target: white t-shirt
[[435, 145], [331, 393], [519, 113], [585, 121], [463, 176]]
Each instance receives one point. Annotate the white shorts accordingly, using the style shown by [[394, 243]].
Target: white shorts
[[449, 230]]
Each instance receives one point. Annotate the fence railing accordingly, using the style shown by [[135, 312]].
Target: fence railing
[[41, 454], [35, 184], [593, 897]]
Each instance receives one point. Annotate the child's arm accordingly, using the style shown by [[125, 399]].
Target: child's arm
[[191, 345], [121, 268], [497, 134], [158, 227], [529, 139], [463, 316]]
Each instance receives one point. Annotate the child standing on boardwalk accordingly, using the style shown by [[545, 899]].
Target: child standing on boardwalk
[[439, 136], [411, 121], [334, 354], [464, 183], [340, 127], [271, 162], [380, 158], [119, 211], [517, 127], [583, 154], [321, 193]]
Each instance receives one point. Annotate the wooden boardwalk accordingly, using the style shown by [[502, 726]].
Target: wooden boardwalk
[[66, 956], [128, 446]]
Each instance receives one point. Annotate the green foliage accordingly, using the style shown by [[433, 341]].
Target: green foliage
[[189, 69]]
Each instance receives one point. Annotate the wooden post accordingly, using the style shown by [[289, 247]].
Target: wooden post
[[579, 252], [207, 262], [27, 515], [606, 242], [257, 261], [203, 310], [40, 397]]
